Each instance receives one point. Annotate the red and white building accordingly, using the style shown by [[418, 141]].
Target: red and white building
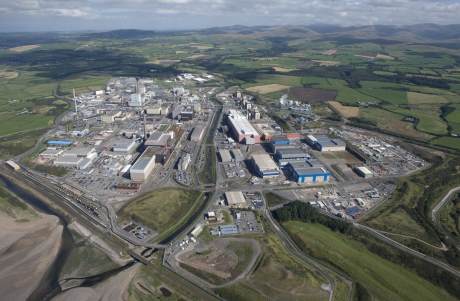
[[241, 128]]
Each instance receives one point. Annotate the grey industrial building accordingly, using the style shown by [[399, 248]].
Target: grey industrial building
[[126, 146], [264, 166], [291, 154], [326, 144], [158, 139]]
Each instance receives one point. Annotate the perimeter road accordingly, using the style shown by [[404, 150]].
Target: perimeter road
[[442, 203]]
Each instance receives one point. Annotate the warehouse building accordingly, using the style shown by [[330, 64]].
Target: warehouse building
[[363, 171], [264, 166], [197, 134], [241, 128], [326, 144], [79, 157], [60, 143], [290, 154], [230, 229], [73, 162], [235, 199], [159, 139], [50, 153], [126, 146], [82, 151], [143, 166], [303, 172], [224, 155]]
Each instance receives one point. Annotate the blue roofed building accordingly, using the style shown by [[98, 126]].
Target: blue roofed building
[[305, 172], [59, 142]]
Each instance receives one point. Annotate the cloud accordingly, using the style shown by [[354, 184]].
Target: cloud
[[183, 14]]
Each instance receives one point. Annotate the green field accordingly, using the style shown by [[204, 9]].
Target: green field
[[452, 142], [382, 279], [161, 209]]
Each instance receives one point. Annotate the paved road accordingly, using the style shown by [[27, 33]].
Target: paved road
[[442, 203], [406, 249]]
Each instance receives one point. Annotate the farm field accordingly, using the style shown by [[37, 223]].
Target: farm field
[[345, 111], [382, 279], [161, 209], [266, 89], [452, 142], [392, 122]]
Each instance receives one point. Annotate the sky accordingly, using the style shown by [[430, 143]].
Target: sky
[[77, 15]]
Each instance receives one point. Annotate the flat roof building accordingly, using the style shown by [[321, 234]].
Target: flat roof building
[[81, 151], [241, 128], [235, 199], [50, 153], [124, 146], [304, 172], [326, 144], [143, 166], [363, 171], [290, 154], [264, 166], [158, 139], [68, 161], [59, 142]]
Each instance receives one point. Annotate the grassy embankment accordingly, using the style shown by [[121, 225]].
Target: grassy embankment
[[363, 247], [382, 279], [163, 210]]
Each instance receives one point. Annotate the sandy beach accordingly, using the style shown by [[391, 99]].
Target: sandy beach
[[27, 249]]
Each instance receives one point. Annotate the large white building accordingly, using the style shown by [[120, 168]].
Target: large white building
[[264, 166], [143, 167], [241, 128], [235, 199], [79, 157]]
